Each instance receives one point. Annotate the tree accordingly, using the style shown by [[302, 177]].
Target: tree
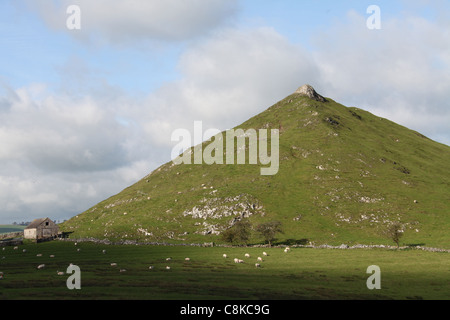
[[240, 232], [395, 232], [269, 229]]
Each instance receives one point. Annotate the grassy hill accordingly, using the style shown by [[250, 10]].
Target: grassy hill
[[345, 175]]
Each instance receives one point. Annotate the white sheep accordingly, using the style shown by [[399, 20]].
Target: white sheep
[[265, 254], [240, 261], [167, 268], [24, 250], [59, 273], [236, 260], [257, 265], [225, 256], [15, 248], [247, 255], [151, 268], [287, 249], [39, 255], [103, 251], [113, 264], [168, 259], [122, 270], [187, 259], [41, 266], [52, 256], [260, 259]]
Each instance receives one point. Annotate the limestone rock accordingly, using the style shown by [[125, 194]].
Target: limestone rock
[[309, 91]]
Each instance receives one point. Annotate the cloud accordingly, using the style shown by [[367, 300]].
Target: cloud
[[130, 21], [399, 72], [231, 77]]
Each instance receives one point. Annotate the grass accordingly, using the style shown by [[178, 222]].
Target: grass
[[303, 273]]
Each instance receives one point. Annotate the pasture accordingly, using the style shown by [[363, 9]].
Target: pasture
[[302, 273]]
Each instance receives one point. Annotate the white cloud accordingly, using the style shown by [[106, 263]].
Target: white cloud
[[231, 77], [125, 21], [400, 71]]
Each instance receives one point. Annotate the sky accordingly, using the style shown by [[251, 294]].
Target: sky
[[88, 109]]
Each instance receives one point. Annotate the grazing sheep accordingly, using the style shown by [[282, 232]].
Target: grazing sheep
[[78, 250], [113, 264], [257, 265], [52, 256], [168, 259], [240, 261], [103, 251], [260, 259], [247, 255], [151, 268], [167, 268], [236, 260], [41, 266], [187, 259], [265, 254], [15, 248], [287, 249], [122, 270], [59, 273], [39, 255], [24, 250], [225, 256]]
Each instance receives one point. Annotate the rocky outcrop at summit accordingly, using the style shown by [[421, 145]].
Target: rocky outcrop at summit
[[309, 91]]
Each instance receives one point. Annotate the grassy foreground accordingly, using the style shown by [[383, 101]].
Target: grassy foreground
[[302, 273]]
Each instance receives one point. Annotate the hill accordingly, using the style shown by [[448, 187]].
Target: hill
[[344, 176]]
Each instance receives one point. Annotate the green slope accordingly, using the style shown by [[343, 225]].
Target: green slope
[[345, 175]]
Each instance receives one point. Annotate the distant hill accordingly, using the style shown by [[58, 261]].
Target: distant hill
[[8, 228], [344, 176]]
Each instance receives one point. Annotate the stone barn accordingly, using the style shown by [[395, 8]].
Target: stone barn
[[39, 229]]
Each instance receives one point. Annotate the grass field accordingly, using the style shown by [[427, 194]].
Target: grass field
[[303, 273]]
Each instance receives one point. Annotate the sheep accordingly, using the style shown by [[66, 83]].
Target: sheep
[[59, 273], [39, 255], [168, 259], [113, 264], [247, 255], [151, 268], [225, 256], [236, 260], [15, 248], [24, 250], [103, 251], [265, 254], [260, 259], [41, 266], [122, 270], [52, 256], [187, 259], [287, 249], [257, 265], [167, 268]]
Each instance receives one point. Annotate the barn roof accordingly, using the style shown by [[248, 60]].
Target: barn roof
[[35, 223]]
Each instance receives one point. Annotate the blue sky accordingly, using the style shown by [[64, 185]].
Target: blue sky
[[85, 113]]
